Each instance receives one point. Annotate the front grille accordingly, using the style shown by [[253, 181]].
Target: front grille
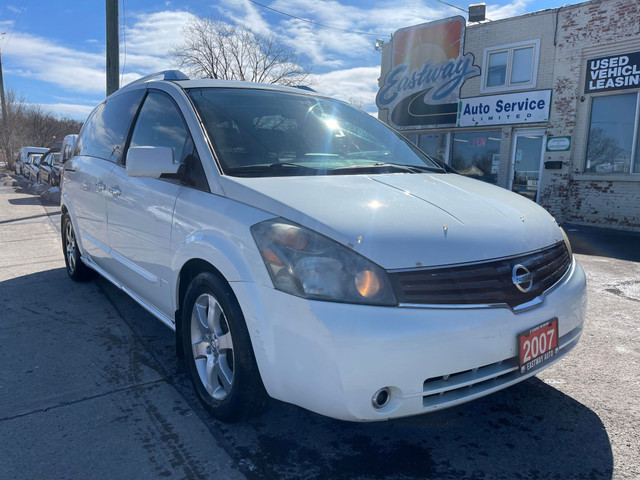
[[482, 283]]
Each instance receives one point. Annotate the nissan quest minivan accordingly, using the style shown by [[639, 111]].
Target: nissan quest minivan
[[302, 250]]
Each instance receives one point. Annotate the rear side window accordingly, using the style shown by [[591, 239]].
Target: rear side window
[[105, 133]]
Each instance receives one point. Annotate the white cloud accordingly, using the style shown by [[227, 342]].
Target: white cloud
[[244, 13], [66, 110], [518, 7], [153, 35], [35, 57], [348, 40], [359, 83], [147, 47]]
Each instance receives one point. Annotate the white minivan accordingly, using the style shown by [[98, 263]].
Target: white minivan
[[302, 250]]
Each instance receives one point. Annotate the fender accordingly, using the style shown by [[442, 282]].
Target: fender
[[65, 204], [216, 229]]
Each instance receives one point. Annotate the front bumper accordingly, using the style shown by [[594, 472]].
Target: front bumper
[[331, 358]]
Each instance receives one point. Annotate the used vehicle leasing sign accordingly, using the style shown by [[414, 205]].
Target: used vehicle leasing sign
[[617, 72], [523, 107]]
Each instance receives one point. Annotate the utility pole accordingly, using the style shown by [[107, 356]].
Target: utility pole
[[4, 149], [4, 103], [113, 47]]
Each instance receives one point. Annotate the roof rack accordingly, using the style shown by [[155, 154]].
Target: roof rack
[[164, 75]]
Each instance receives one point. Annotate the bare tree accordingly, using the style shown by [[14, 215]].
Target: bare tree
[[26, 124], [214, 49], [602, 149], [11, 131]]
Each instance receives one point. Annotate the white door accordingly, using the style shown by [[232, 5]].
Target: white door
[[526, 162], [140, 210]]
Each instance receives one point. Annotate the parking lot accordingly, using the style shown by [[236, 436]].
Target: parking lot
[[90, 388]]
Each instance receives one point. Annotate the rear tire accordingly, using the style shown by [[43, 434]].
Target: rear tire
[[76, 270], [218, 352]]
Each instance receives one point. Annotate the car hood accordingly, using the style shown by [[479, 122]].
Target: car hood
[[405, 220]]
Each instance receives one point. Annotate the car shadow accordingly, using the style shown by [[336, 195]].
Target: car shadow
[[531, 430], [528, 431], [25, 201]]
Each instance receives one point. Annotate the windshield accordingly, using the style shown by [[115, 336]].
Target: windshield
[[267, 133], [56, 158]]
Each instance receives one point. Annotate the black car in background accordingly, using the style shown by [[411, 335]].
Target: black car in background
[[49, 168]]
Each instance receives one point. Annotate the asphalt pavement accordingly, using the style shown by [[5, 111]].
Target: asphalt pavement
[[80, 396], [90, 388]]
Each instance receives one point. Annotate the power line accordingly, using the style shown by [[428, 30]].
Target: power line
[[454, 6], [15, 23], [320, 24]]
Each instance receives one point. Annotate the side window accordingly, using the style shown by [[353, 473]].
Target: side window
[[104, 134], [160, 124]]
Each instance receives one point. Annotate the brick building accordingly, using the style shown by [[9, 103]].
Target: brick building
[[546, 104]]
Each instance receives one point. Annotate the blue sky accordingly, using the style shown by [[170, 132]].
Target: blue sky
[[53, 52]]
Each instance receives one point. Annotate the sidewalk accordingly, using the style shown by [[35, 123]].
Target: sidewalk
[[80, 396]]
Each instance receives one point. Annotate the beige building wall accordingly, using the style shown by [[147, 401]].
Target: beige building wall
[[586, 31]]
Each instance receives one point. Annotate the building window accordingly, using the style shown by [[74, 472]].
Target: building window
[[613, 145], [434, 145], [477, 154], [510, 67]]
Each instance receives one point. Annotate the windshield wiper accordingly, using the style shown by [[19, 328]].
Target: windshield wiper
[[416, 168], [386, 167], [276, 169]]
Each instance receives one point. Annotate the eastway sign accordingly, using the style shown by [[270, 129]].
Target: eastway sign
[[523, 107], [616, 72], [428, 69]]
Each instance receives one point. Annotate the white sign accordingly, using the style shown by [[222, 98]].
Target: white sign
[[524, 107]]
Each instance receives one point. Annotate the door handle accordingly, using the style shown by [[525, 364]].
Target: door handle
[[100, 187], [115, 191]]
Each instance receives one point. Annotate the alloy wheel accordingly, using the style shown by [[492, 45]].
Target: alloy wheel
[[70, 246], [212, 346]]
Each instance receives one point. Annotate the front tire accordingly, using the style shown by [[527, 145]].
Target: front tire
[[76, 270], [218, 350]]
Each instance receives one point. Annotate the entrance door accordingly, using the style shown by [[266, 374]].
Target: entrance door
[[526, 162]]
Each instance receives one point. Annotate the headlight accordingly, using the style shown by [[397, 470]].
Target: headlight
[[307, 264], [566, 242]]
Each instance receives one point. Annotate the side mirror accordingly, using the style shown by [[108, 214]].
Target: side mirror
[[151, 162]]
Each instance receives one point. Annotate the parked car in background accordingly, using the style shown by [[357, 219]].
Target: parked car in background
[[48, 169], [34, 168], [28, 164], [302, 249], [23, 168], [24, 154]]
